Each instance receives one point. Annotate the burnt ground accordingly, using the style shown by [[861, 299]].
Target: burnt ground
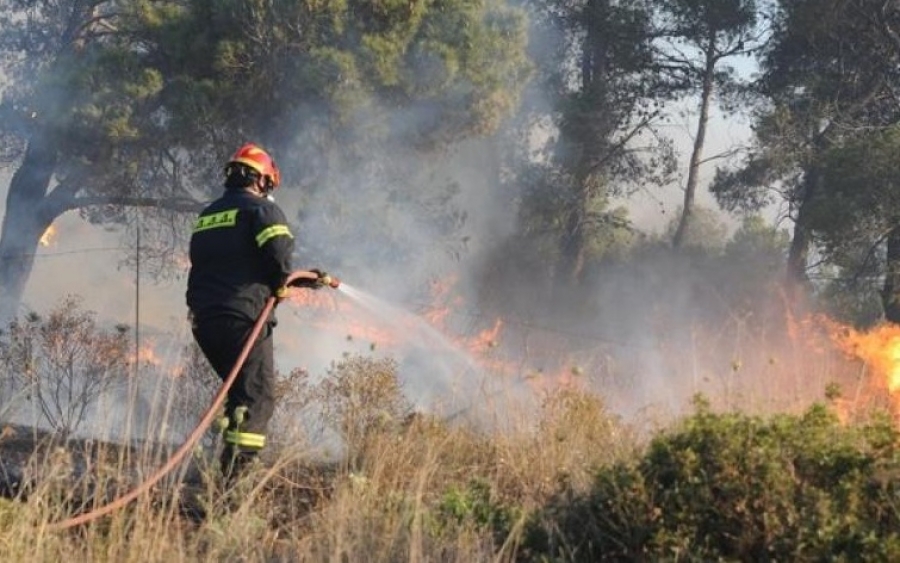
[[91, 472], [88, 470]]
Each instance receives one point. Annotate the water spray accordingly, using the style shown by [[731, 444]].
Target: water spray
[[461, 372]]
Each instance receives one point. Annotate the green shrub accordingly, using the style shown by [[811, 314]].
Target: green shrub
[[476, 505], [737, 487]]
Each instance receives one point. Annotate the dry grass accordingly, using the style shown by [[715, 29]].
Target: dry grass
[[404, 486], [414, 489]]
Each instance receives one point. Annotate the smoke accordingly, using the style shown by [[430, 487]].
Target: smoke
[[388, 238], [397, 215]]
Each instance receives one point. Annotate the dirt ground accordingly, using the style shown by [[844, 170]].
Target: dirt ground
[[31, 458]]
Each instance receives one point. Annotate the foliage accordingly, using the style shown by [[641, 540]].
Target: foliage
[[863, 195], [855, 219], [733, 486], [256, 64], [850, 298], [361, 398], [64, 363], [190, 73], [476, 504], [751, 267], [135, 105], [706, 230], [823, 85], [605, 99]]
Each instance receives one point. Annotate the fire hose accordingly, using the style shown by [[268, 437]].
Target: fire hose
[[205, 420]]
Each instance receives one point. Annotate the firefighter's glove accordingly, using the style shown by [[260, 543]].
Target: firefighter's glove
[[317, 283], [323, 279], [281, 293]]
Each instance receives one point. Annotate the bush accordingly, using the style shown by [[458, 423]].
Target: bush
[[737, 487], [64, 362], [361, 398]]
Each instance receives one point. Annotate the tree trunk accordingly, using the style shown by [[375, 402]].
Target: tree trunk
[[797, 280], [890, 293], [24, 223], [594, 68], [572, 246], [690, 189]]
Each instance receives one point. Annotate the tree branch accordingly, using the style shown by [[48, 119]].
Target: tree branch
[[56, 206], [179, 204], [724, 154]]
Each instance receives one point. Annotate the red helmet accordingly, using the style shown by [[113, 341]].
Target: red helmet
[[258, 159]]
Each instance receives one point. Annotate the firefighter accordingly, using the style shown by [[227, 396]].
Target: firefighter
[[240, 254]]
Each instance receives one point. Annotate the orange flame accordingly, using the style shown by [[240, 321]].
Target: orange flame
[[484, 345], [879, 349], [442, 301], [487, 338], [48, 236], [319, 299], [147, 355], [356, 325]]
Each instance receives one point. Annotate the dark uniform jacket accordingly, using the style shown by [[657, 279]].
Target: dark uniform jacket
[[240, 255]]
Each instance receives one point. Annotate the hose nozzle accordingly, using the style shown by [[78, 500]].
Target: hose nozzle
[[331, 281]]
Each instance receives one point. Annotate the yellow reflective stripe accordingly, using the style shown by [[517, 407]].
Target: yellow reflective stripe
[[215, 220], [272, 232], [246, 439]]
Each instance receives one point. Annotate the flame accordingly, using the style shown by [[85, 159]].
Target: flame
[[486, 339], [442, 301], [443, 311], [147, 355], [355, 326], [879, 350], [319, 299], [48, 236]]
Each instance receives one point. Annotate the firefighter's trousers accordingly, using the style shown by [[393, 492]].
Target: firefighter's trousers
[[251, 399]]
